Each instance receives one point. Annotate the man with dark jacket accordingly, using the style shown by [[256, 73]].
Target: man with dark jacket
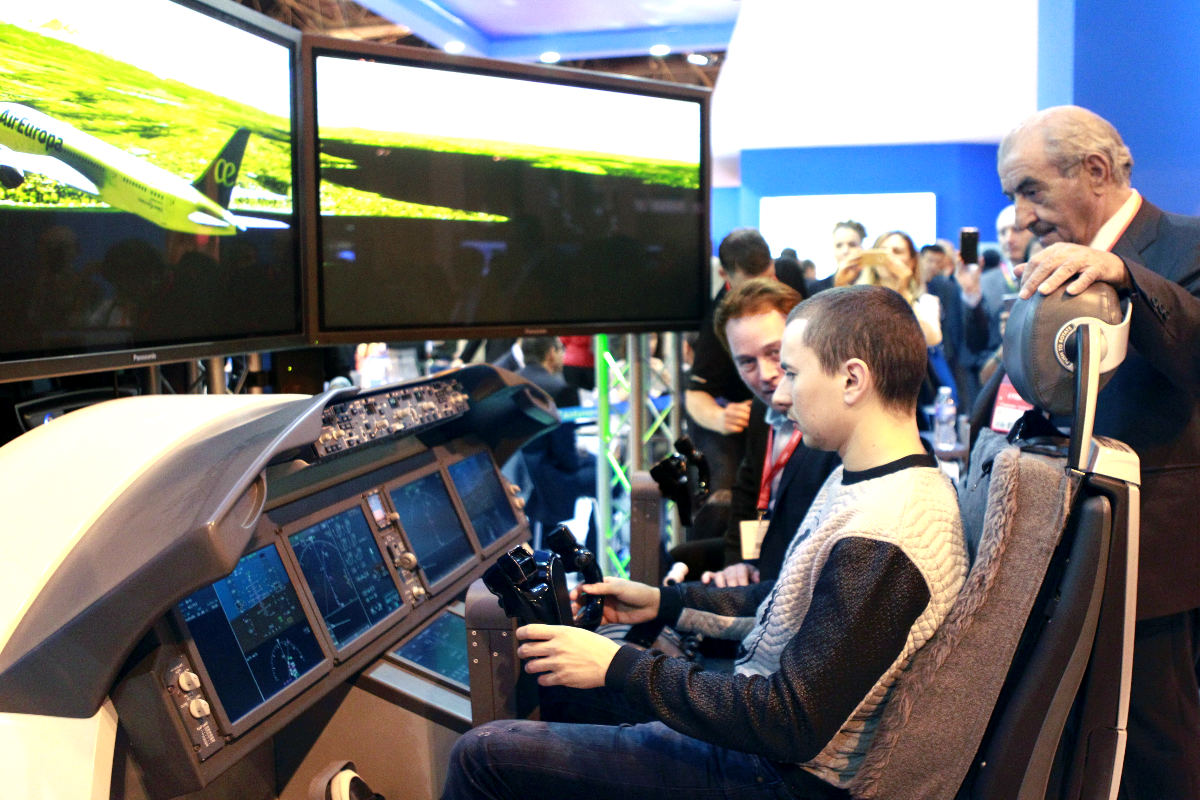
[[559, 473], [779, 475], [1068, 171]]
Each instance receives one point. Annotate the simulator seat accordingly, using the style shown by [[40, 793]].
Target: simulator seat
[[1023, 691]]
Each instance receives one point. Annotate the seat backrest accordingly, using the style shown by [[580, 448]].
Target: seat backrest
[[1042, 630], [1025, 755], [945, 699]]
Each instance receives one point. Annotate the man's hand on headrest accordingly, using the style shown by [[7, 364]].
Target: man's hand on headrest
[[1060, 262]]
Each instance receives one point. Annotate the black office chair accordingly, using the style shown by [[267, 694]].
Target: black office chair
[[1023, 691]]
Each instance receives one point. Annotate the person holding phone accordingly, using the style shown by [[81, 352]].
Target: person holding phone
[[892, 262]]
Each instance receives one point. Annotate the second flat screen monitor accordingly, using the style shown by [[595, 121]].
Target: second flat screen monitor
[[454, 196], [434, 530]]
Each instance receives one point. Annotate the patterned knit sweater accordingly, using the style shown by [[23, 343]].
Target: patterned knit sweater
[[869, 577]]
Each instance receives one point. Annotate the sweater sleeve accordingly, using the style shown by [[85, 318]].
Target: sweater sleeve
[[723, 613], [867, 597]]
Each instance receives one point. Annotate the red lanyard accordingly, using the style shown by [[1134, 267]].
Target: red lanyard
[[771, 469]]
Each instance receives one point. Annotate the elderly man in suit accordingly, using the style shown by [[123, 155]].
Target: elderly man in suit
[[1068, 173]]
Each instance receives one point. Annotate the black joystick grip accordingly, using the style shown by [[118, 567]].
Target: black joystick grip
[[576, 558], [531, 587], [674, 476]]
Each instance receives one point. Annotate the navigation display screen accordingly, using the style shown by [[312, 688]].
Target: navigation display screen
[[441, 648], [483, 495], [251, 633], [434, 530], [346, 573]]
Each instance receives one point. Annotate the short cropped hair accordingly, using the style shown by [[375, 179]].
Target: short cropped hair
[[933, 248], [1072, 133], [857, 227], [536, 348], [874, 324], [755, 296], [744, 250]]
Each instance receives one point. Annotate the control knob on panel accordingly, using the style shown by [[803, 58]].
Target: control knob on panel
[[407, 560], [189, 681], [199, 708]]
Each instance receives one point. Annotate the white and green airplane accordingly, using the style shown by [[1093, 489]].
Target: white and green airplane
[[31, 141]]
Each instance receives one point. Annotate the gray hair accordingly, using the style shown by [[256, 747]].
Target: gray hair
[[1071, 134]]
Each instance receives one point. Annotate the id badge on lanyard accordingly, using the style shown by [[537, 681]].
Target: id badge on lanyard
[[754, 530]]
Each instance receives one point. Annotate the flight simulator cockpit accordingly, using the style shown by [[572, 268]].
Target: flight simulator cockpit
[[245, 560]]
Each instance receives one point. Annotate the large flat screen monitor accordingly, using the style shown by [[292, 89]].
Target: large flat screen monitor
[[459, 195], [147, 202], [253, 639]]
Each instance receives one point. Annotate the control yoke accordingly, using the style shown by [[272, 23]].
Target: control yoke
[[674, 477], [532, 586]]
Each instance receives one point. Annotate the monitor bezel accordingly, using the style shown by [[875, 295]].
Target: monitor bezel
[[375, 629], [281, 698], [116, 358], [313, 47]]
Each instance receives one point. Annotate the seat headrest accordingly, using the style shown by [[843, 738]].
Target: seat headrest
[[1039, 343]]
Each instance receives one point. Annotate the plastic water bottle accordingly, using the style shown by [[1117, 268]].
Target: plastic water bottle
[[945, 420]]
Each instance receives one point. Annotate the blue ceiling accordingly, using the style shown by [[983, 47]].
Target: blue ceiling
[[521, 30]]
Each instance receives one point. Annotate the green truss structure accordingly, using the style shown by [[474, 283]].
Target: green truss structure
[[633, 434]]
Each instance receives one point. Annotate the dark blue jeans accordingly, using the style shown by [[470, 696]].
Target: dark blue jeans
[[525, 760]]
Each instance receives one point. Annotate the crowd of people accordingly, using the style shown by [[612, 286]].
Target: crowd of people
[[844, 547]]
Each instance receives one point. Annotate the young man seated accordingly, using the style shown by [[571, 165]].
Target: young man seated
[[869, 576]]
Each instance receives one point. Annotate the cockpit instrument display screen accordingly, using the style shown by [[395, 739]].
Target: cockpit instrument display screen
[[440, 649], [433, 527], [487, 503], [251, 633], [346, 574]]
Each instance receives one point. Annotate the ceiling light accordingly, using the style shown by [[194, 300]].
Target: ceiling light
[[699, 59], [660, 50], [550, 57], [454, 46]]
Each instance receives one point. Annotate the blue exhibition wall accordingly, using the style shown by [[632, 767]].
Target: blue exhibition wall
[[1135, 65], [1132, 63], [962, 176]]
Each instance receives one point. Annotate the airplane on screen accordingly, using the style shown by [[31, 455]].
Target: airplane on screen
[[31, 141]]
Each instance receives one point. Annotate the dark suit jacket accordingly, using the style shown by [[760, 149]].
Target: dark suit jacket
[[1152, 404], [806, 470], [557, 472]]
